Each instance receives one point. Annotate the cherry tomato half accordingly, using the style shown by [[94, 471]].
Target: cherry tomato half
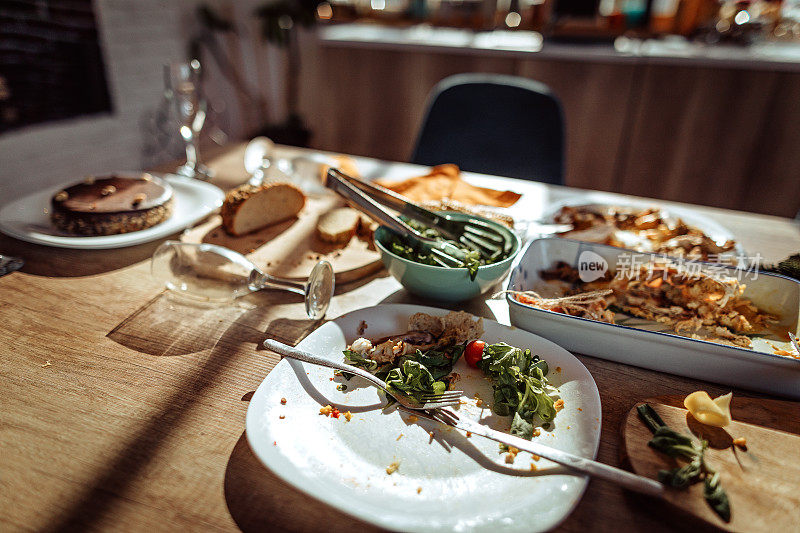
[[474, 353]]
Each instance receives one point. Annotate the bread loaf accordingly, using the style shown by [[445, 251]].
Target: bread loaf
[[338, 225], [251, 207]]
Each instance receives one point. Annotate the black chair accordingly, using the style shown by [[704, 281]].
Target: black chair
[[494, 124]]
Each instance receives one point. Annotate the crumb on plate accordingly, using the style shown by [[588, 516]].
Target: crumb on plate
[[559, 404], [329, 411], [348, 415], [283, 401], [392, 468]]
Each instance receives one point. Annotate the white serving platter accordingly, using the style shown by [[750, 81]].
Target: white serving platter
[[450, 483], [28, 218], [757, 369], [714, 230]]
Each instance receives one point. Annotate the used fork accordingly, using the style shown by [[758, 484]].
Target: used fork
[[429, 401], [618, 476], [475, 233]]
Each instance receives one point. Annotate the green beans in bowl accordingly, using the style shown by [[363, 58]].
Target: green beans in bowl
[[437, 282]]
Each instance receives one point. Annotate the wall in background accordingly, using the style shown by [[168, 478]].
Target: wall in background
[[716, 136], [137, 38]]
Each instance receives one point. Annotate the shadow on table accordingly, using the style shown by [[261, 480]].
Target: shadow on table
[[258, 500], [476, 306], [169, 325], [69, 263], [244, 244], [236, 340]]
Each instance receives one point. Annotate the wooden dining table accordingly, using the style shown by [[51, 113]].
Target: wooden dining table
[[124, 409]]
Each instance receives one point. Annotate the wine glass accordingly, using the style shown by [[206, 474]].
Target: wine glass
[[182, 87], [214, 273]]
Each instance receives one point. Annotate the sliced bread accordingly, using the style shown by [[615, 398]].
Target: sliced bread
[[338, 226], [251, 207]]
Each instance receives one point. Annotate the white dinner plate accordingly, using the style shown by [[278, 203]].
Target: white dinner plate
[[28, 218], [449, 483]]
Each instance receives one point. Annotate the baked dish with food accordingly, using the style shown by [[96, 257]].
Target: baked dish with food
[[697, 305]]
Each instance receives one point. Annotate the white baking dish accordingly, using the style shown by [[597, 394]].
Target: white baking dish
[[756, 369]]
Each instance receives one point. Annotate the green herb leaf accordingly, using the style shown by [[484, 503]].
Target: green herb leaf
[[650, 417], [520, 386], [675, 444], [716, 497]]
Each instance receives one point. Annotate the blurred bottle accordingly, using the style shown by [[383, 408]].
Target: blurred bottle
[[662, 18], [635, 12], [611, 13], [693, 14], [787, 28]]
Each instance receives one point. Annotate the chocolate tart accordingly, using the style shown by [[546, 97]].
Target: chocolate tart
[[111, 205]]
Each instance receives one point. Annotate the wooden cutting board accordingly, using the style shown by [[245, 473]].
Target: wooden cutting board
[[763, 482], [290, 249]]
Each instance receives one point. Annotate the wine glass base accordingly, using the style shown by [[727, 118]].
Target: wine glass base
[[199, 171]]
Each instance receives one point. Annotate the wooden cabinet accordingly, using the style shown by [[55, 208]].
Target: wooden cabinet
[[716, 134]]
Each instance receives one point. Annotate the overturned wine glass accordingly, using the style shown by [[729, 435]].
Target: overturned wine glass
[[214, 273]]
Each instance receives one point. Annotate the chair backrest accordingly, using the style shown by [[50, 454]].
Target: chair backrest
[[494, 124]]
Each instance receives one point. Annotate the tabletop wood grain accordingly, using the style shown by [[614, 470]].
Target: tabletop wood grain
[[123, 409]]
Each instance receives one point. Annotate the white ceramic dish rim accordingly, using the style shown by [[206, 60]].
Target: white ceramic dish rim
[[103, 242], [742, 353], [313, 488]]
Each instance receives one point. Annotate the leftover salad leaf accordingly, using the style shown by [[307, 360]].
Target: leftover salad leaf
[[518, 377], [520, 386], [414, 379], [473, 259], [415, 374]]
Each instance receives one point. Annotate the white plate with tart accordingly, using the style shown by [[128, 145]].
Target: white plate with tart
[[383, 466], [113, 211]]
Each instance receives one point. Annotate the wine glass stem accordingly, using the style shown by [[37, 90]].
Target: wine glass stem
[[191, 152], [265, 281]]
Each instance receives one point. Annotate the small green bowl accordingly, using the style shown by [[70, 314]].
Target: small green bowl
[[442, 283]]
